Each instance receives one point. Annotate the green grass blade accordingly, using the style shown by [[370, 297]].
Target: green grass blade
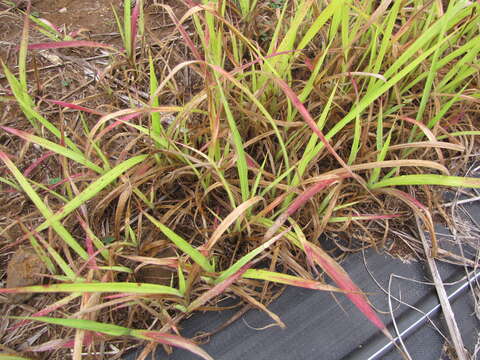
[[22, 54], [311, 150], [91, 190], [460, 133], [183, 245], [260, 106], [380, 90], [47, 29], [445, 108], [120, 331], [155, 117], [276, 34], [10, 183], [27, 106], [446, 60], [247, 258], [357, 132], [242, 167], [90, 325], [119, 25], [281, 62], [44, 210], [381, 155], [61, 150], [97, 287], [321, 20], [428, 179], [127, 26], [286, 279], [182, 284], [386, 41], [310, 84], [13, 357]]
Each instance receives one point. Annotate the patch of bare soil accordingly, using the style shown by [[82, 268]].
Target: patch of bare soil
[[93, 15], [24, 269], [10, 32]]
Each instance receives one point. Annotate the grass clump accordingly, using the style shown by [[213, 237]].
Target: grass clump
[[220, 155]]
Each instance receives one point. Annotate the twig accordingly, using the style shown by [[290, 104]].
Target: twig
[[459, 202], [442, 296], [53, 66]]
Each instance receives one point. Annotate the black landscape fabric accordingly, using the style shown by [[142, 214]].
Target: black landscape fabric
[[320, 326]]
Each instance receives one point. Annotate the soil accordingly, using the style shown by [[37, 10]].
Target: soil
[[24, 269], [93, 15]]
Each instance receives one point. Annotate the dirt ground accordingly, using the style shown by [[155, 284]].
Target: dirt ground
[[93, 15]]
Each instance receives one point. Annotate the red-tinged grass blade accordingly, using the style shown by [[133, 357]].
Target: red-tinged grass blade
[[134, 25], [76, 33], [49, 345], [98, 243], [92, 262], [113, 125], [117, 296], [116, 330], [70, 44], [87, 340], [127, 114], [420, 209], [75, 107], [101, 287], [297, 203], [59, 149], [405, 197], [49, 309], [307, 195], [217, 289], [56, 344], [341, 278], [34, 165], [184, 33], [172, 340], [63, 181], [251, 163], [51, 25], [288, 280], [313, 126], [170, 262]]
